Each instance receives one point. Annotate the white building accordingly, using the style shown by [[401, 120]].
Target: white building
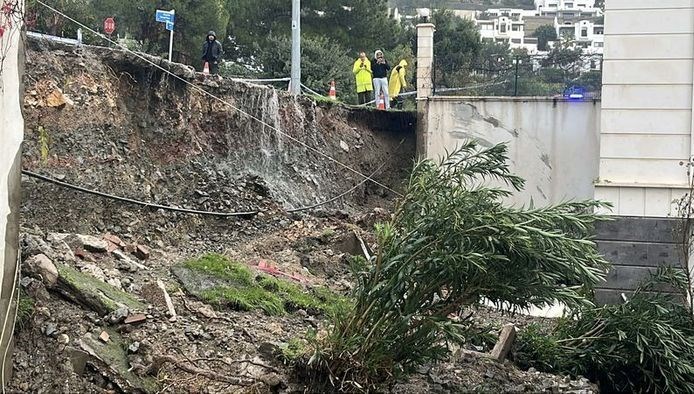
[[584, 34], [568, 9], [647, 130], [505, 29]]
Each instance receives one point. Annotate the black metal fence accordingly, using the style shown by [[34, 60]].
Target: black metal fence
[[567, 74]]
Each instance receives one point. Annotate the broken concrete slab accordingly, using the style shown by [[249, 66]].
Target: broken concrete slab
[[93, 293], [135, 319], [505, 343]]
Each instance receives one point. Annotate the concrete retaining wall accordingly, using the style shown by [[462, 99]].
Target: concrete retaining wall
[[554, 144]]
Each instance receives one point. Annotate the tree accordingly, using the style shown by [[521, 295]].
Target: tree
[[544, 34], [451, 243], [456, 44]]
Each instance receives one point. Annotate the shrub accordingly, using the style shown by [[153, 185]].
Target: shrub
[[451, 243], [643, 345]]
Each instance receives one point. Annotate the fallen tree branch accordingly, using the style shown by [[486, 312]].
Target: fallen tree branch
[[159, 362]]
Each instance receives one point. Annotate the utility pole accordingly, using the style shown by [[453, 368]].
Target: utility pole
[[295, 84]]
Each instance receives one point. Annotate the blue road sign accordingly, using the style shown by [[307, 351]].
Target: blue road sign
[[169, 26], [165, 16]]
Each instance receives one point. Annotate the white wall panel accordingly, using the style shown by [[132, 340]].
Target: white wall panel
[[645, 146], [646, 122]]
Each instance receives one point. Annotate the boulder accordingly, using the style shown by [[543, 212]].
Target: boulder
[[41, 267]]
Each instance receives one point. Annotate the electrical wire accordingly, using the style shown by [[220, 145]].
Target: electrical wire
[[137, 202], [195, 87]]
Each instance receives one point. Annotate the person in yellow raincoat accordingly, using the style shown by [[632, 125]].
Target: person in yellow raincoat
[[362, 73], [397, 83]]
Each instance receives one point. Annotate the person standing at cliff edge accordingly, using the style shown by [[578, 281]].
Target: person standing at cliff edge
[[212, 52], [362, 74], [397, 83], [380, 68]]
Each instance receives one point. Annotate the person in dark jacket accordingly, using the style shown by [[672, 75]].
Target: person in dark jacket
[[379, 69], [212, 52]]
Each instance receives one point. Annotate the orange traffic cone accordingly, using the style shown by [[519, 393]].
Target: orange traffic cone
[[381, 102], [206, 68], [333, 93]]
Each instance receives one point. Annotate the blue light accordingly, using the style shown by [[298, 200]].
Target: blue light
[[575, 93]]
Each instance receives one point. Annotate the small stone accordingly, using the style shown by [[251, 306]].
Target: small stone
[[63, 339], [51, 329], [141, 252], [269, 349], [344, 146], [302, 313], [134, 347], [104, 336], [114, 240], [118, 315], [207, 311]]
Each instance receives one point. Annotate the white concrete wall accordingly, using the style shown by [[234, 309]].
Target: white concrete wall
[[554, 144], [11, 135], [647, 104]]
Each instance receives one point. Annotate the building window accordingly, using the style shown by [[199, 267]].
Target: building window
[[598, 31], [584, 32], [569, 5], [598, 44], [502, 28], [516, 40], [515, 28]]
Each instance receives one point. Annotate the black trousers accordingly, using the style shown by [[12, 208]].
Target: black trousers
[[214, 68], [364, 97]]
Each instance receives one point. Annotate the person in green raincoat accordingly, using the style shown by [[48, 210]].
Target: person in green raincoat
[[362, 73]]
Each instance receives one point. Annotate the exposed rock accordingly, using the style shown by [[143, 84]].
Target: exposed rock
[[94, 271], [141, 252], [134, 347], [344, 146], [118, 315], [63, 339], [42, 268], [93, 293], [51, 329], [78, 359], [32, 245], [104, 336], [93, 244]]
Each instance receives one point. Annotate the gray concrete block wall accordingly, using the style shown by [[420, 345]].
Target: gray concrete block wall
[[636, 246]]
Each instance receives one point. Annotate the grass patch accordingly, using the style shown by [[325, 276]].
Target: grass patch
[[219, 266], [243, 289], [245, 298]]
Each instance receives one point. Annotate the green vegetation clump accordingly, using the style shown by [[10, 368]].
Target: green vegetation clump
[[643, 345], [243, 289], [25, 310], [451, 243]]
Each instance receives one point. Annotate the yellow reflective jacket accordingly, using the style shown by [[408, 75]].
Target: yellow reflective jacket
[[397, 80], [363, 75]]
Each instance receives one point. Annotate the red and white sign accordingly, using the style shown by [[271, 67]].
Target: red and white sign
[[109, 26]]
